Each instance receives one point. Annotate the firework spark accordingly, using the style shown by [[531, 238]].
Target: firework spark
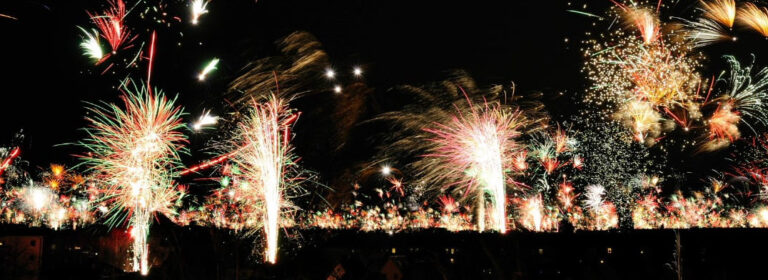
[[646, 22], [642, 118], [91, 45], [705, 31], [205, 119], [755, 18], [199, 8], [594, 197], [7, 161], [135, 152], [480, 144], [38, 198], [207, 69], [747, 91], [8, 17], [266, 160], [112, 26], [722, 11], [723, 128]]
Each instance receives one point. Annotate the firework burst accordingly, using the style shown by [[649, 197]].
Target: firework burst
[[91, 45], [645, 21], [480, 144], [747, 91], [705, 31], [722, 11], [134, 153], [199, 8], [755, 18], [112, 26], [594, 197], [266, 161], [207, 69]]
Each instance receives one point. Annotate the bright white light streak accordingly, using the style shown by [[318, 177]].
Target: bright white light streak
[[199, 7], [208, 68], [205, 119], [91, 45]]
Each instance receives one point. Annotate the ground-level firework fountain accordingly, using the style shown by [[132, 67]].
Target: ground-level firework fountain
[[134, 152], [264, 155]]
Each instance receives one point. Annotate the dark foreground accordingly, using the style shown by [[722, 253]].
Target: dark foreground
[[205, 253]]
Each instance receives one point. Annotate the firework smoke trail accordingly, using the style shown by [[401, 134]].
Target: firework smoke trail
[[479, 142], [755, 18], [134, 153], [265, 158]]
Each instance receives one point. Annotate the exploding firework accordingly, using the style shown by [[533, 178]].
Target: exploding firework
[[134, 153], [91, 45], [199, 8], [265, 159], [594, 197], [722, 11], [755, 18], [207, 69], [111, 25], [205, 119], [459, 140], [747, 91], [644, 84], [480, 144], [646, 22]]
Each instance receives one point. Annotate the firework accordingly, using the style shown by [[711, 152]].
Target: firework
[[643, 83], [265, 159], [646, 22], [205, 119], [91, 45], [111, 25], [642, 118], [479, 143], [207, 69], [723, 128], [9, 159], [705, 31], [747, 91], [722, 11], [755, 18], [594, 197], [199, 8], [134, 152], [8, 17], [38, 198]]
